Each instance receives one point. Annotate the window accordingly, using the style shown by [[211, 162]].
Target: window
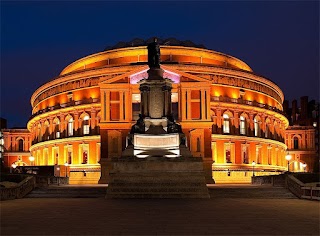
[[86, 127], [20, 145], [269, 156], [267, 131], [70, 127], [258, 154], [85, 157], [57, 129], [245, 156], [226, 124], [256, 128], [295, 143], [242, 125], [69, 157], [228, 156]]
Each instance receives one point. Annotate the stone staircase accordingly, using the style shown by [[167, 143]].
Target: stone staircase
[[157, 178], [249, 191], [168, 185], [69, 191]]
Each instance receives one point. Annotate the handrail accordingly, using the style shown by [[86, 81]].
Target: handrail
[[301, 190], [19, 191]]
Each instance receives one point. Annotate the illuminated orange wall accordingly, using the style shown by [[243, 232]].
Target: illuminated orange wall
[[230, 92], [63, 98]]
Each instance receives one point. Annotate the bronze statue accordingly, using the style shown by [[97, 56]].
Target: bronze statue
[[154, 54]]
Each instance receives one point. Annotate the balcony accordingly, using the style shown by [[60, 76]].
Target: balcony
[[246, 102], [63, 135], [65, 105]]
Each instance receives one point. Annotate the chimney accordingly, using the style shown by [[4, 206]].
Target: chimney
[[304, 107], [294, 110]]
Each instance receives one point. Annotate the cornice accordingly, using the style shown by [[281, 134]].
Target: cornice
[[66, 140]]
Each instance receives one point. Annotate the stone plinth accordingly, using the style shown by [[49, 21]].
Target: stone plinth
[[156, 177]]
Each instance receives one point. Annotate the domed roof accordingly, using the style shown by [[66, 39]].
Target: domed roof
[[168, 42]]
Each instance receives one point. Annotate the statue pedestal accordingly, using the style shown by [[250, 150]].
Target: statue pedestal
[[157, 177]]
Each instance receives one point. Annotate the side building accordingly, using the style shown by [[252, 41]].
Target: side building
[[302, 136]]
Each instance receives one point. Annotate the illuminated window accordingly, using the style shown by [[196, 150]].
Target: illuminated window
[[70, 127], [258, 154], [228, 153], [20, 145], [269, 156], [245, 156], [86, 127], [226, 124], [267, 131], [69, 157], [242, 125], [256, 128], [56, 128]]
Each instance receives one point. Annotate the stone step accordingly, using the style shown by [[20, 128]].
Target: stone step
[[68, 192], [154, 195], [257, 192]]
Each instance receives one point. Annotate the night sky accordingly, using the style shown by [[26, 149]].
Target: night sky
[[278, 40]]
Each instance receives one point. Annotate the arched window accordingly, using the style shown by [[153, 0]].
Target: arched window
[[295, 143], [20, 144], [85, 125], [57, 128], [39, 133], [70, 127], [226, 124], [242, 125], [267, 131], [256, 127]]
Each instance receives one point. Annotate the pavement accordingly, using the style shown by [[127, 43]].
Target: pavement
[[221, 215]]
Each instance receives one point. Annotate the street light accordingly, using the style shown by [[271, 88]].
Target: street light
[[253, 164], [304, 165], [288, 158], [66, 165], [14, 166], [31, 159]]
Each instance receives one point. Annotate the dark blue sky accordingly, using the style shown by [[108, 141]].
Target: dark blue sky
[[279, 40]]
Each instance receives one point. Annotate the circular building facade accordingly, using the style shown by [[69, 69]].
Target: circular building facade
[[233, 118]]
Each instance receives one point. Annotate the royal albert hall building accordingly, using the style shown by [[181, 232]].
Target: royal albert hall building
[[233, 119]]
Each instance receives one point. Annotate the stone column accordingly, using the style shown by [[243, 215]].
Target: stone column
[[203, 105], [183, 104], [107, 105], [219, 121], [121, 106], [188, 104]]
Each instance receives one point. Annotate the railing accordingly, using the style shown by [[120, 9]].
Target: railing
[[64, 105], [76, 133], [246, 102], [45, 181], [22, 189], [301, 190], [273, 180]]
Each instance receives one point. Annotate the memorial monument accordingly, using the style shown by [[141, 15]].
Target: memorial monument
[[156, 162]]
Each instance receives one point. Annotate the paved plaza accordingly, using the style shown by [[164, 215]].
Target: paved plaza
[[215, 216]]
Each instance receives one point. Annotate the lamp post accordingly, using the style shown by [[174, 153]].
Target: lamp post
[[66, 165], [288, 158], [304, 165], [31, 159], [253, 164]]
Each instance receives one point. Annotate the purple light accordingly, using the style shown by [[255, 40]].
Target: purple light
[[135, 78]]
